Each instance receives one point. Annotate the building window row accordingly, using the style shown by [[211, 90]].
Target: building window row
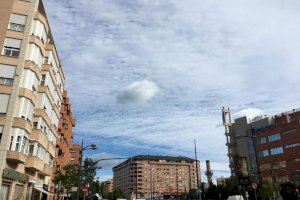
[[277, 150], [289, 131], [274, 137], [292, 145]]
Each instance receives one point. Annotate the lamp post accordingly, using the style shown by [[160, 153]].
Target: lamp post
[[91, 147]]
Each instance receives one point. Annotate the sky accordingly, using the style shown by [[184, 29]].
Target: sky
[[150, 76]]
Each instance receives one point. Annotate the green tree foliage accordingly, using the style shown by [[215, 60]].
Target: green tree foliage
[[288, 191], [67, 178], [88, 172], [116, 194], [266, 189]]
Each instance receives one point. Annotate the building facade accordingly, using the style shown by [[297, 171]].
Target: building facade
[[107, 186], [31, 92], [75, 153], [268, 147], [155, 176]]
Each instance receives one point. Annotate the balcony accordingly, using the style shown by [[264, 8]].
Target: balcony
[[51, 149], [47, 170], [39, 136], [35, 164], [16, 157]]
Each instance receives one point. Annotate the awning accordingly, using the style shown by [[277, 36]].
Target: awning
[[44, 191]]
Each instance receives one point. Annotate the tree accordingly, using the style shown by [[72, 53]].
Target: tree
[[288, 191], [266, 189], [88, 172], [67, 178], [116, 194]]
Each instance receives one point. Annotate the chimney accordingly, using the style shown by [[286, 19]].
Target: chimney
[[208, 172]]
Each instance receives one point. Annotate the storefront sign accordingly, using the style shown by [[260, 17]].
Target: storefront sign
[[14, 175], [261, 129]]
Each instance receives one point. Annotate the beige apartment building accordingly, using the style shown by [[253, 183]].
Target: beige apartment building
[[156, 176], [107, 186], [31, 87]]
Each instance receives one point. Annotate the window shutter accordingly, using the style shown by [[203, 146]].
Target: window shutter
[[10, 42], [18, 19], [1, 129], [7, 71], [4, 99]]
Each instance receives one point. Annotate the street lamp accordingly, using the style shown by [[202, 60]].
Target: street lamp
[[89, 147]]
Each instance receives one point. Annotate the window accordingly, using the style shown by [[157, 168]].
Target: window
[[278, 165], [11, 47], [29, 80], [25, 109], [1, 132], [19, 138], [17, 22], [39, 30], [263, 153], [4, 99], [289, 131], [274, 137], [262, 140], [277, 150], [7, 73], [34, 54], [24, 142], [292, 145], [282, 179], [265, 166], [43, 79], [21, 142], [31, 148]]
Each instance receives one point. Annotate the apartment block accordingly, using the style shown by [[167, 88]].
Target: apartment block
[[31, 95], [65, 133], [156, 176], [267, 147], [107, 186], [75, 153]]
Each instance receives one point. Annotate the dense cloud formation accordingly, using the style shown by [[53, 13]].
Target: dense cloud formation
[[201, 54], [138, 92]]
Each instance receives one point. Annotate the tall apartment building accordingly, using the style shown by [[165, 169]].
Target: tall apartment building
[[31, 92], [265, 146], [148, 176], [65, 133]]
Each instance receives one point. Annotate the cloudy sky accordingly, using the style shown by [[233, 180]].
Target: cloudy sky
[[149, 76]]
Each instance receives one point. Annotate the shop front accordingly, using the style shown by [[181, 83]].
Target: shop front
[[14, 185]]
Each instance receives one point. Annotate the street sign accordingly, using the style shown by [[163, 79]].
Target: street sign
[[254, 186], [85, 189]]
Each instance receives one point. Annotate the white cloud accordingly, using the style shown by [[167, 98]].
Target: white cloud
[[249, 113], [138, 92]]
